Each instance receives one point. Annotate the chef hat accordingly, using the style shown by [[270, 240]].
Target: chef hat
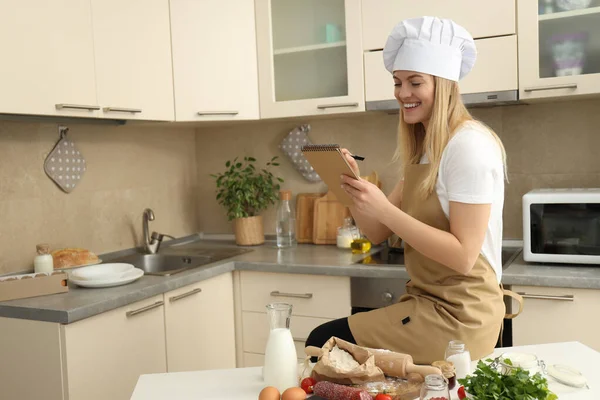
[[432, 46]]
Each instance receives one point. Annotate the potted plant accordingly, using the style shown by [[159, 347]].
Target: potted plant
[[245, 190]]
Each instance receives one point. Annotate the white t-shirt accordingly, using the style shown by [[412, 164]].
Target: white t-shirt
[[471, 171]]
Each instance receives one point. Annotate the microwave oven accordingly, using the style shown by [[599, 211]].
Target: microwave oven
[[562, 226]]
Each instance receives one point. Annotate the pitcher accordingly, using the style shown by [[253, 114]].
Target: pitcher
[[281, 361]]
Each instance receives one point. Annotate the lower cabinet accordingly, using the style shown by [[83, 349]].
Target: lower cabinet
[[557, 315]]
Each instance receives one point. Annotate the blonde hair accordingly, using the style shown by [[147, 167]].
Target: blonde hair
[[448, 113]]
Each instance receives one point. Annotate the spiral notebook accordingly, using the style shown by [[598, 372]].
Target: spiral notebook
[[329, 162]]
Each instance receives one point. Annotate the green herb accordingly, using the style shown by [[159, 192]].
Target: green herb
[[244, 190], [488, 384]]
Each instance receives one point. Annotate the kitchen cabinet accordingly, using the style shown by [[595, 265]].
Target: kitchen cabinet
[[200, 330], [214, 60], [105, 354], [483, 19], [132, 47], [48, 58], [557, 315], [559, 49], [309, 57], [314, 299]]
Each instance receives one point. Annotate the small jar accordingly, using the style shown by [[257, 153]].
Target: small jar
[[346, 234], [435, 387], [43, 262], [458, 354]]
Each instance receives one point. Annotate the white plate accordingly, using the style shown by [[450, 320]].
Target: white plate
[[101, 272], [126, 278]]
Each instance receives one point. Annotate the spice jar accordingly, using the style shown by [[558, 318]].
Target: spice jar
[[346, 234], [458, 354], [434, 388]]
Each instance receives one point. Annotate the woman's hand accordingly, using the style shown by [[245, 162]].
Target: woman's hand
[[368, 199], [351, 161]]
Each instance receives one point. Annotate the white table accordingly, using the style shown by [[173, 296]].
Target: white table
[[246, 383]]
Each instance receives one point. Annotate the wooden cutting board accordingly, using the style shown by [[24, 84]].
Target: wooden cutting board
[[329, 214], [305, 205]]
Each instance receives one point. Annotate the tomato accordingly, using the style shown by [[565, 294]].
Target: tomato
[[382, 396], [307, 385], [461, 393]]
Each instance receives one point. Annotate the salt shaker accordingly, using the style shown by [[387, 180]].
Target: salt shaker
[[459, 355], [435, 387], [43, 262]]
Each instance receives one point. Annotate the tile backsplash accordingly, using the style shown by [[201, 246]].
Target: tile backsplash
[[547, 145], [129, 168]]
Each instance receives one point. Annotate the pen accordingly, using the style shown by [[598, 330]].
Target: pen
[[359, 158]]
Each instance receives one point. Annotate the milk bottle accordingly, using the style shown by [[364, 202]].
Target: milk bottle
[[281, 361]]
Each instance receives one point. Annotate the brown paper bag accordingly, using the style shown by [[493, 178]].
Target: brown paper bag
[[324, 370]]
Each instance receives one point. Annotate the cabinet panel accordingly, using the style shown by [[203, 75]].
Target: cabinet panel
[[49, 58], [105, 354], [200, 325], [557, 315], [132, 45], [214, 60]]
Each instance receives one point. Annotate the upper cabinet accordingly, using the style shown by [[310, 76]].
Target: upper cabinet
[[132, 47], [559, 48], [214, 60], [309, 57], [481, 18], [48, 58]]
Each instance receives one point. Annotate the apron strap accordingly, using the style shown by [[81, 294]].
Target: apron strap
[[519, 300]]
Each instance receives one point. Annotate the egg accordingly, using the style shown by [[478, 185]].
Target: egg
[[269, 393], [293, 393]]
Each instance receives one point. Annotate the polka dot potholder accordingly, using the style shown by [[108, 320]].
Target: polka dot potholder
[[292, 144], [65, 165]]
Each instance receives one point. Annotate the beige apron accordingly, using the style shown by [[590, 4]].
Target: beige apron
[[440, 304]]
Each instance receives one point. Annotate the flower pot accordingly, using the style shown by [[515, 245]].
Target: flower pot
[[249, 231]]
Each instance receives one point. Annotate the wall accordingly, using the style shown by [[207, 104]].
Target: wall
[[129, 168], [548, 145]]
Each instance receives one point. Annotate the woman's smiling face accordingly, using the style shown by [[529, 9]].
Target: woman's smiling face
[[415, 94]]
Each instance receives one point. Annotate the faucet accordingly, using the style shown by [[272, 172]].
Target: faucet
[[151, 243]]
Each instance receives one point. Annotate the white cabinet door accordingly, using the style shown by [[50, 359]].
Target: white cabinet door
[[105, 354], [557, 315], [200, 325], [309, 57], [481, 18], [559, 50], [132, 45], [214, 60], [47, 66]]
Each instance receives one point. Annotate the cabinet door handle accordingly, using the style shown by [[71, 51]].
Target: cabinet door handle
[[61, 106], [122, 109], [203, 113], [299, 340], [567, 297], [551, 87], [184, 295], [325, 106], [277, 293], [144, 309]]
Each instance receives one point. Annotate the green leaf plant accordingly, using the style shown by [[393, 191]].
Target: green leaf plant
[[245, 189]]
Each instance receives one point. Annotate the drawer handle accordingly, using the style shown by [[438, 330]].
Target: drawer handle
[[184, 295], [567, 297], [551, 87], [144, 309], [277, 293], [299, 340], [61, 106], [326, 106], [218, 113], [122, 109]]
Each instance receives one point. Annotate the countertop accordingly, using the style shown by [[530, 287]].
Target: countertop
[[80, 303], [246, 383]]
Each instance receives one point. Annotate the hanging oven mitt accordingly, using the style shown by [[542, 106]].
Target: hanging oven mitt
[[65, 165]]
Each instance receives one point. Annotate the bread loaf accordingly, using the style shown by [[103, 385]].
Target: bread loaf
[[73, 257]]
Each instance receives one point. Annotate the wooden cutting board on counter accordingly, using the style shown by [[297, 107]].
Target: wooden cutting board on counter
[[305, 206], [329, 214]]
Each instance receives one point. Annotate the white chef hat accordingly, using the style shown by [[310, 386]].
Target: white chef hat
[[432, 46]]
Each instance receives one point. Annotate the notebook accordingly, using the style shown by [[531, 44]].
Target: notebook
[[329, 162]]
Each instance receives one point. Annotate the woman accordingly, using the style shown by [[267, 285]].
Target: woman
[[447, 209]]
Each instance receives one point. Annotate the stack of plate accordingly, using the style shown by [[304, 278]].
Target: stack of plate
[[105, 275]]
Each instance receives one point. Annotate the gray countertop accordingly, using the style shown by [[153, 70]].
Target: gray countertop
[[80, 303]]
